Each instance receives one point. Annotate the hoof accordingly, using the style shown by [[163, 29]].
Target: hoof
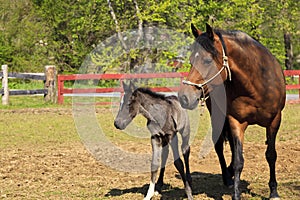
[[274, 195], [228, 183], [188, 192], [274, 198], [227, 178], [158, 187], [229, 186]]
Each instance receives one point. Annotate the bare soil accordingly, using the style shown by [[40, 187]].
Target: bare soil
[[67, 171]]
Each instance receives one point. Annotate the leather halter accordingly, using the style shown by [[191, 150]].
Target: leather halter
[[225, 66]]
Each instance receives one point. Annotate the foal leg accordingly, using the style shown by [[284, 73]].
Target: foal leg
[[156, 154], [185, 147], [271, 155], [164, 157], [237, 130], [180, 167]]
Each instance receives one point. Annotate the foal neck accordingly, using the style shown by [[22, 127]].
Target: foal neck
[[147, 105]]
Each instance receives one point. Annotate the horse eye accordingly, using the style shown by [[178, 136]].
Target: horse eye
[[207, 61]]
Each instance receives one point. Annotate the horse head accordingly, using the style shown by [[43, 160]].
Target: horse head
[[209, 67], [128, 107]]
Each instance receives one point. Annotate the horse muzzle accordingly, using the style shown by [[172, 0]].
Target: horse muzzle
[[188, 98], [119, 125]]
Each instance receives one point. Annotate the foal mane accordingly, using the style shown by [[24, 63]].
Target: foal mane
[[151, 93], [155, 95]]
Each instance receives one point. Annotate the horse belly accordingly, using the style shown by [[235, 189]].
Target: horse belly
[[253, 112]]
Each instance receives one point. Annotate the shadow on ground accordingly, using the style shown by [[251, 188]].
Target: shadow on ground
[[208, 184]]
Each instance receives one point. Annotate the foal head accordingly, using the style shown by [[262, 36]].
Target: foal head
[[129, 107]]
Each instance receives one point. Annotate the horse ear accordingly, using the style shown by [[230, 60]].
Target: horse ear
[[209, 31], [195, 31]]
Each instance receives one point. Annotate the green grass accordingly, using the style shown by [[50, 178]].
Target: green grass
[[289, 128], [35, 128]]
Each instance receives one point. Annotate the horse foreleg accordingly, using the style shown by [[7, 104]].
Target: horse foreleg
[[164, 157], [156, 154], [180, 167], [271, 155], [237, 130], [226, 175]]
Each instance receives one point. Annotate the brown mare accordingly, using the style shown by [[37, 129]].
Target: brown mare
[[254, 94]]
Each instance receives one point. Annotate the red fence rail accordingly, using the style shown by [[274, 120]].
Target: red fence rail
[[293, 73], [62, 90]]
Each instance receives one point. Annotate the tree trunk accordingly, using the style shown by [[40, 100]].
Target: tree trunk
[[117, 25], [140, 29], [288, 51]]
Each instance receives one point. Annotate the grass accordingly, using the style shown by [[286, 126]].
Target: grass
[[36, 128], [289, 128]]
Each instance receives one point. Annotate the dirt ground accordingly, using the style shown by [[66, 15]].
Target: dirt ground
[[67, 171]]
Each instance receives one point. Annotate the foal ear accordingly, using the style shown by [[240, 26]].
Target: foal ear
[[195, 31], [125, 86], [132, 87], [210, 31]]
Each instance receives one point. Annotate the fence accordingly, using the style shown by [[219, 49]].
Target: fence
[[293, 73], [62, 90], [49, 78]]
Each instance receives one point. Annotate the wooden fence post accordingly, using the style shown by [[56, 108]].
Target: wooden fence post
[[5, 96], [50, 83]]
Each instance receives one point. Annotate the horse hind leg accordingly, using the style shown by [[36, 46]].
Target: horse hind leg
[[271, 155], [180, 167]]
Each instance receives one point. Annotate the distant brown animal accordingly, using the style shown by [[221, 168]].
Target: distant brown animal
[[255, 94]]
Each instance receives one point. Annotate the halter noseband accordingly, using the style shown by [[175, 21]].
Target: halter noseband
[[225, 66]]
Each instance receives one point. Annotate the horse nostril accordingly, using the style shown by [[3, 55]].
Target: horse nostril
[[183, 100]]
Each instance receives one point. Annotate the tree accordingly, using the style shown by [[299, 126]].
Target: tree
[[22, 37], [62, 32]]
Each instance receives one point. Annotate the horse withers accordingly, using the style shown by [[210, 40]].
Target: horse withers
[[254, 94], [165, 117]]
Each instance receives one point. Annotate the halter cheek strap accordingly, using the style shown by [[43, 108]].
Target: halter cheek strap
[[226, 65]]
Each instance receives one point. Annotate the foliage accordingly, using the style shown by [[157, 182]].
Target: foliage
[[62, 32]]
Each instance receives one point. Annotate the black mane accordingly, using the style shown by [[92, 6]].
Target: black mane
[[154, 94], [151, 93], [207, 44], [239, 36]]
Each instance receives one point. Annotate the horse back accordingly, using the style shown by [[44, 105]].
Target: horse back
[[257, 90]]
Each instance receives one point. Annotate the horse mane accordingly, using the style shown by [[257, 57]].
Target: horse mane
[[241, 38], [154, 94]]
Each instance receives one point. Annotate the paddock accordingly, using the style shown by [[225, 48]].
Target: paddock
[[42, 157]]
